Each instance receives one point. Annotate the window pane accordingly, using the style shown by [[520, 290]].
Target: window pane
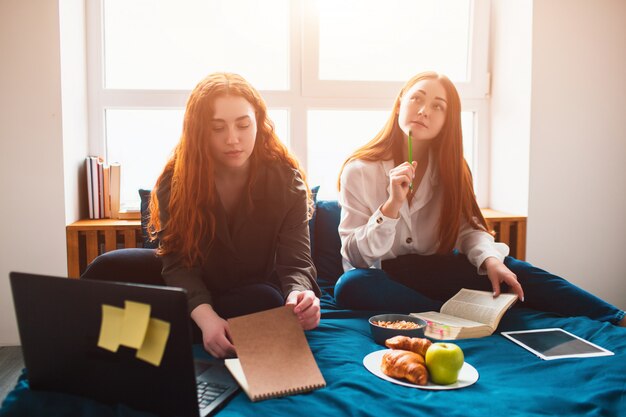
[[469, 140], [174, 44], [373, 40], [280, 117], [143, 140], [334, 134]]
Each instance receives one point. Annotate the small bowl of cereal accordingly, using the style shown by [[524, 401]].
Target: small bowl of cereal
[[385, 326]]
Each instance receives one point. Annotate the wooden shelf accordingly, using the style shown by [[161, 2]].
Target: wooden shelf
[[87, 239], [509, 229]]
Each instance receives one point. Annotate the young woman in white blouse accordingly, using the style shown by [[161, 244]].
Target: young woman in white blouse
[[412, 233]]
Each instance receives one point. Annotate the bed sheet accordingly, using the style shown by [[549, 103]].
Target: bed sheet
[[512, 381]]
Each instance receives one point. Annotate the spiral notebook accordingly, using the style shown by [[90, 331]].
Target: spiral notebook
[[273, 356]]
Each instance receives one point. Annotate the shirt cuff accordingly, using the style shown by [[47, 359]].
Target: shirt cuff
[[379, 220], [289, 288], [194, 300], [478, 255]]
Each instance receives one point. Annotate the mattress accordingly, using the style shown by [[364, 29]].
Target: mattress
[[511, 382]]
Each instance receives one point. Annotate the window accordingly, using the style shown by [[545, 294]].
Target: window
[[328, 70], [142, 140], [341, 131], [386, 30], [171, 45]]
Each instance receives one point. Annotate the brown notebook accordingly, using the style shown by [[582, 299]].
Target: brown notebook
[[274, 358]]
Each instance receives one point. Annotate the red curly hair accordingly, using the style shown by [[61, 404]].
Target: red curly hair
[[459, 201], [191, 168]]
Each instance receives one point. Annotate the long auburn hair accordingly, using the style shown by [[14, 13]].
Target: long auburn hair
[[191, 168], [459, 201]]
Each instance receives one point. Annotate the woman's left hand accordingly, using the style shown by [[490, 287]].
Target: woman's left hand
[[306, 307], [499, 273]]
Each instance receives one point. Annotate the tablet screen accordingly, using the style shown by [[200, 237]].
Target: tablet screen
[[555, 344]]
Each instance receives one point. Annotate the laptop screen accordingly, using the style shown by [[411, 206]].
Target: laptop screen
[[59, 322]]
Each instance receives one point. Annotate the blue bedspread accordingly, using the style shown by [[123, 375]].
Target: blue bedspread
[[512, 381]]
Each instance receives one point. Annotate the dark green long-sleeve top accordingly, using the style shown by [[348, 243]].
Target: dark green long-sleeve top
[[264, 240]]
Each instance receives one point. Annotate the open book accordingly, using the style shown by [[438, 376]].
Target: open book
[[470, 313], [273, 356]]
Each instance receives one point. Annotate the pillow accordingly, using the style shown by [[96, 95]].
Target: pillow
[[314, 191], [327, 247], [144, 195]]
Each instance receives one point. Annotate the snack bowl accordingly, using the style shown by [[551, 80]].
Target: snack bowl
[[382, 333]]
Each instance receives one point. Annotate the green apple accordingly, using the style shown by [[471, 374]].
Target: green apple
[[444, 361]]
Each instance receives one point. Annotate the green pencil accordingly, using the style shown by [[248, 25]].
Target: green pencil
[[411, 154]]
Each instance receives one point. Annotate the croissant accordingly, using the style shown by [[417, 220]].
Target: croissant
[[414, 344], [404, 364]]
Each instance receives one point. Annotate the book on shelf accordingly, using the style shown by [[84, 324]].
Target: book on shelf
[[470, 313], [129, 214], [103, 188], [95, 187], [106, 171], [89, 186], [114, 188], [100, 165], [273, 356]]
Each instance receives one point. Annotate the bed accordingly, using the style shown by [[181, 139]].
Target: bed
[[512, 381]]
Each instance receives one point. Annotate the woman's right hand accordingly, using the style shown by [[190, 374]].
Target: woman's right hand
[[400, 179], [215, 332]]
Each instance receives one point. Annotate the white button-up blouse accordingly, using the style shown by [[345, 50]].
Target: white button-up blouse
[[369, 237]]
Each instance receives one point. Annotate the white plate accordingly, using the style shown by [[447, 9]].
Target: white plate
[[467, 376]]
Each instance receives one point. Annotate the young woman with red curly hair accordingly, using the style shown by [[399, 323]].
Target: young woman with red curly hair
[[412, 233], [231, 212]]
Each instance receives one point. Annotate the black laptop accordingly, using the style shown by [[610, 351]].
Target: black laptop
[[59, 324]]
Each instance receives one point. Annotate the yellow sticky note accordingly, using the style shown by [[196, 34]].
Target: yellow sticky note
[[154, 344], [110, 327], [134, 324]]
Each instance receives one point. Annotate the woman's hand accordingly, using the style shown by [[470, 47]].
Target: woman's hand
[[215, 332], [498, 273], [306, 307], [400, 179]]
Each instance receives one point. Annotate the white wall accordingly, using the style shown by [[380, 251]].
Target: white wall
[[32, 213], [577, 193], [510, 63], [74, 99]]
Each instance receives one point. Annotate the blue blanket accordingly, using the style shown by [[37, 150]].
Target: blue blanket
[[512, 381]]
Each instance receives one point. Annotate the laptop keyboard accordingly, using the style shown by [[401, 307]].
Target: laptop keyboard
[[208, 392]]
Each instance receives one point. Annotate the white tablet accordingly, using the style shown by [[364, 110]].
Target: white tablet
[[555, 344]]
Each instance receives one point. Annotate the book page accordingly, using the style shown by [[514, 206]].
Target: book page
[[446, 320], [479, 306], [234, 366], [442, 326], [274, 354]]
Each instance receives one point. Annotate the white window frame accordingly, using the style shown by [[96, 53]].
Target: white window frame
[[477, 85], [306, 92]]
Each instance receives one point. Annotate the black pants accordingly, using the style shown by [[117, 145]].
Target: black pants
[[413, 283], [142, 266]]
